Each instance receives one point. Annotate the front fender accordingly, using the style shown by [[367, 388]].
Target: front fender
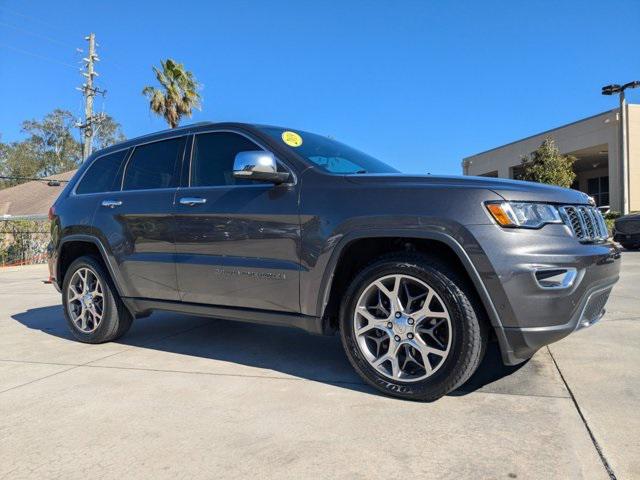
[[450, 239], [459, 241]]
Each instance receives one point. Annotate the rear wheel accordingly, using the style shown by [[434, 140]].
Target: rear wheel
[[93, 310], [411, 327]]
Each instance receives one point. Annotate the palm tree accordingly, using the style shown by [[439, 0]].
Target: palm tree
[[177, 95]]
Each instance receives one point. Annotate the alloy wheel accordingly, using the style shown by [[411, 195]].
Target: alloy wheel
[[85, 300], [402, 327]]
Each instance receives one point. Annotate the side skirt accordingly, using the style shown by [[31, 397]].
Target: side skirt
[[144, 306]]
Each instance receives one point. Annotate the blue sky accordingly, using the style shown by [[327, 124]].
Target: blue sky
[[418, 84]]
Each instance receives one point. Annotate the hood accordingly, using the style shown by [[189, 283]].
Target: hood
[[628, 218], [514, 190]]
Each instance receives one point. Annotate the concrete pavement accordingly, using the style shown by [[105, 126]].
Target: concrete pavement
[[188, 397], [602, 368]]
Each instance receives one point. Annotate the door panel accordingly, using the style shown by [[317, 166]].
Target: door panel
[[138, 220], [240, 248], [141, 237]]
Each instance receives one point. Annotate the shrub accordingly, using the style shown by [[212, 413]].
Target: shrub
[[609, 219], [23, 241], [548, 165]]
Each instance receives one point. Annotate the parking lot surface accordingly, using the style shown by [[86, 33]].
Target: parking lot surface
[[189, 397]]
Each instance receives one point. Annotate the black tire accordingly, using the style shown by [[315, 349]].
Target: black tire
[[469, 327], [633, 246], [116, 319]]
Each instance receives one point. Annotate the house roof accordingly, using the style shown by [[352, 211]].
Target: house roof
[[32, 198]]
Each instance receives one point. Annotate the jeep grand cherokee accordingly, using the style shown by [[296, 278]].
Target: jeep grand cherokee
[[279, 226]]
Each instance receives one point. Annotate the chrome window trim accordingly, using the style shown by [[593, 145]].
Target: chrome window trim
[[147, 190], [251, 139], [133, 149], [74, 193]]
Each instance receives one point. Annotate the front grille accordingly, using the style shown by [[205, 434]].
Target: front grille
[[629, 227], [586, 223]]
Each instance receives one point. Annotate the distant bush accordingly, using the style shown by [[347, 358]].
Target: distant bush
[[609, 219], [548, 165], [23, 242]]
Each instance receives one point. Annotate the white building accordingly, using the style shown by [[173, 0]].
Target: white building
[[594, 141]]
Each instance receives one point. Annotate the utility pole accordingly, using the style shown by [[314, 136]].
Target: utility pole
[[88, 90], [623, 138]]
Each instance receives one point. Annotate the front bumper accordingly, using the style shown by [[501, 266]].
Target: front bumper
[[530, 315], [519, 344]]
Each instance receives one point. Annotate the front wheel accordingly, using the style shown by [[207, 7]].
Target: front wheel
[[411, 327], [93, 310]]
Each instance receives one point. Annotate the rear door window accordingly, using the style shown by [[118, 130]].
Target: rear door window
[[101, 175], [154, 165]]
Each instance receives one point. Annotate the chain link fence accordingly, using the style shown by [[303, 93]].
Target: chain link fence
[[23, 241]]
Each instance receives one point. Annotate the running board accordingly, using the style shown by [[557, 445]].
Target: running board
[[141, 307]]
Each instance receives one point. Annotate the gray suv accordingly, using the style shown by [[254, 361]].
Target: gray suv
[[284, 227]]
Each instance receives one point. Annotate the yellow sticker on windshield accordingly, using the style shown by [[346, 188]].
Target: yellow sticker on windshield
[[291, 138]]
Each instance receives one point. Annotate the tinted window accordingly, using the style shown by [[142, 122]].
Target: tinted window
[[213, 157], [154, 165], [101, 175]]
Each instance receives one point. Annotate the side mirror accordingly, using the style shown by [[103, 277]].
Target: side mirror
[[258, 165]]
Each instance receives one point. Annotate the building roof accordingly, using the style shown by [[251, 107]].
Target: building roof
[[32, 198], [546, 132]]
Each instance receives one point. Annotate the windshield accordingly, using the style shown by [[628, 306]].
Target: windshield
[[326, 153]]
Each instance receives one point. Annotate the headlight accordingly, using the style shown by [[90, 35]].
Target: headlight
[[523, 214]]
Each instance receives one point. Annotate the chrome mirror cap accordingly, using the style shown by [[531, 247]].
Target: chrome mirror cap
[[258, 165]]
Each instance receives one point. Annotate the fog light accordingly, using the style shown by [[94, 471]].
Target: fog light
[[555, 278]]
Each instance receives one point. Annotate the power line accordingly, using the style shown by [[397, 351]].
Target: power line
[[60, 42], [33, 19], [37, 35], [37, 55]]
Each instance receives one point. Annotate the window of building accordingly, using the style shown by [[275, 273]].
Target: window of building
[[101, 175], [598, 188], [213, 158], [517, 172], [154, 165]]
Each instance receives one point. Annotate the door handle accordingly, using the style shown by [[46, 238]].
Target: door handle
[[111, 203], [191, 201]]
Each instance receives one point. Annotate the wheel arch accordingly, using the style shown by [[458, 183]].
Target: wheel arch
[[443, 242], [71, 247]]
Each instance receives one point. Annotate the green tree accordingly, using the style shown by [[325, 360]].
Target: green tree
[[53, 142], [107, 133], [51, 147], [548, 165], [178, 93], [18, 159]]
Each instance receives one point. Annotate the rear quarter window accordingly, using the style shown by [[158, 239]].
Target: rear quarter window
[[101, 175]]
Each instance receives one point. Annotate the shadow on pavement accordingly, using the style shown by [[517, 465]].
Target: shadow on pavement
[[491, 370], [284, 350]]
